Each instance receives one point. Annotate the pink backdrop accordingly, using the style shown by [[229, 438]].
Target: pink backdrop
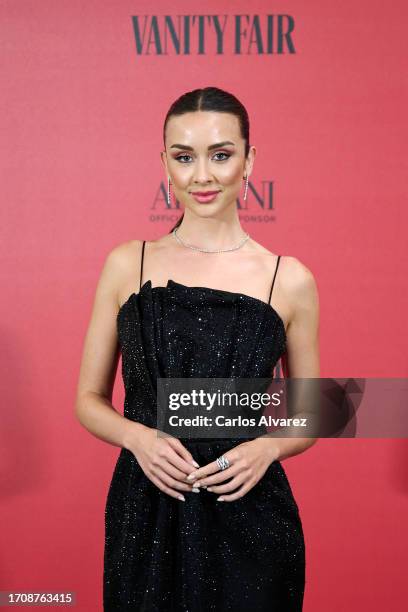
[[81, 133]]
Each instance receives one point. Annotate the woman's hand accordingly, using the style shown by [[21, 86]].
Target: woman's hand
[[248, 463], [164, 460]]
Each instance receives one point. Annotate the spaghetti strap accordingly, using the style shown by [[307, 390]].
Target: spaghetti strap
[[273, 281], [141, 264]]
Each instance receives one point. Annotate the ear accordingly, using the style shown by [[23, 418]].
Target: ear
[[163, 158], [249, 163]]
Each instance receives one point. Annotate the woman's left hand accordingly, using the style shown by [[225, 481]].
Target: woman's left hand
[[248, 463]]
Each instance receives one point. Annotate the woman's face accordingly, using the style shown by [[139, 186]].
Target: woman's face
[[206, 152]]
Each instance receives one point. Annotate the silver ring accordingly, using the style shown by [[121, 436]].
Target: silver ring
[[223, 462]]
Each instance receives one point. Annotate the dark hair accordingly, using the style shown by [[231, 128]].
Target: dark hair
[[210, 99]]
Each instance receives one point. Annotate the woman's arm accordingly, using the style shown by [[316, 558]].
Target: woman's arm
[[164, 460], [100, 357], [302, 358]]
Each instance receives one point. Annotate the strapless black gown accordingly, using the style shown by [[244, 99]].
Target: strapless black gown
[[162, 554]]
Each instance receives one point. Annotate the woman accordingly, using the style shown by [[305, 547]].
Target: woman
[[183, 530]]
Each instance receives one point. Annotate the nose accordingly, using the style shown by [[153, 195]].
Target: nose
[[201, 171]]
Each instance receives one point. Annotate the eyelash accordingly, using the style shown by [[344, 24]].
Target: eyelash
[[219, 153]]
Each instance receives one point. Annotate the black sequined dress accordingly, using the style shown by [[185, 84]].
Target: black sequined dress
[[200, 555]]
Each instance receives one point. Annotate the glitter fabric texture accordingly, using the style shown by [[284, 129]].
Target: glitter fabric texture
[[200, 555]]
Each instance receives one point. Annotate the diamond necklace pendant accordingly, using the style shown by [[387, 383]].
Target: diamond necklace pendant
[[194, 248]]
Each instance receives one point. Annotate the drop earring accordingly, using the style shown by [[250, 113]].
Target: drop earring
[[246, 187], [168, 191]]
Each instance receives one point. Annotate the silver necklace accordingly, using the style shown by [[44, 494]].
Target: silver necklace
[[190, 246]]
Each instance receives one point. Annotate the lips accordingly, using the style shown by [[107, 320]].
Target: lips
[[204, 197], [204, 193]]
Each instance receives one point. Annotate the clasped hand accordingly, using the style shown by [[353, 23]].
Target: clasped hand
[[248, 463], [172, 468]]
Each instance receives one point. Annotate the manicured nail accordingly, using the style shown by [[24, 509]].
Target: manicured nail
[[191, 476], [195, 490], [209, 489], [220, 499], [181, 497], [195, 464]]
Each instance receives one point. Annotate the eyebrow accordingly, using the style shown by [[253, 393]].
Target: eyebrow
[[213, 146]]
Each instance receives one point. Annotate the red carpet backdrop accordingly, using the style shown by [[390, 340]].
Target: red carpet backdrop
[[85, 89]]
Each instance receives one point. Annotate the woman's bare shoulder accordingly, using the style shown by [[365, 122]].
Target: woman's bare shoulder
[[299, 284], [124, 253], [295, 272], [121, 261], [294, 268]]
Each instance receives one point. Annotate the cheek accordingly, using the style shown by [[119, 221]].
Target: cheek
[[181, 176], [230, 174]]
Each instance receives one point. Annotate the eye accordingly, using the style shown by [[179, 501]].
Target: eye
[[180, 157], [227, 156]]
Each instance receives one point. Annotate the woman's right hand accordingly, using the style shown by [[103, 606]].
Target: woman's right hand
[[164, 460]]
